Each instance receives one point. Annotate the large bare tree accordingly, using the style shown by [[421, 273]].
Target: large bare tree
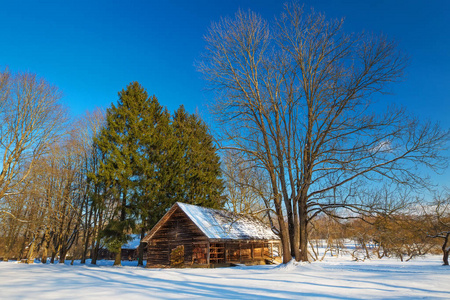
[[436, 222], [92, 209], [31, 119], [296, 96]]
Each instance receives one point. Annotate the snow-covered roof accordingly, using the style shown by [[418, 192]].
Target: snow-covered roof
[[222, 224]]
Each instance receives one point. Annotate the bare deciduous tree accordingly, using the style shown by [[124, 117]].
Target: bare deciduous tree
[[246, 187], [92, 210], [31, 119], [295, 97], [437, 223]]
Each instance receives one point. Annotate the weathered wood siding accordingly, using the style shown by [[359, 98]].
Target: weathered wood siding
[[177, 230]]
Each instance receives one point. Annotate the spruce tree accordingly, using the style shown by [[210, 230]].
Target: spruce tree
[[187, 167], [197, 170], [152, 161], [127, 143], [150, 176]]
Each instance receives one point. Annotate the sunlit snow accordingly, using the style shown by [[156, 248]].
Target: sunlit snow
[[220, 224], [335, 278]]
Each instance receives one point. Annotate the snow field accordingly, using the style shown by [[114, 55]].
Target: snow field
[[335, 278]]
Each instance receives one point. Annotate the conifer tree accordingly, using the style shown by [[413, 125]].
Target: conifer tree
[[152, 162], [198, 176], [124, 140], [155, 144]]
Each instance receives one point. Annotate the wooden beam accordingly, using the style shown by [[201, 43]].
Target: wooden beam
[[207, 253], [225, 252], [271, 250], [240, 257]]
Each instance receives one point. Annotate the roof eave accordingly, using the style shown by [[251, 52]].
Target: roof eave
[[218, 240]]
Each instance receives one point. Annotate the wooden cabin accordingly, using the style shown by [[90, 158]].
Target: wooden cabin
[[209, 237]]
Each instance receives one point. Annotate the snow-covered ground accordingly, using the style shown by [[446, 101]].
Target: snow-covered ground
[[333, 278]]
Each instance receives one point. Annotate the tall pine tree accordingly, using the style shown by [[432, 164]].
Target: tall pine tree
[[152, 162], [151, 175], [188, 167], [197, 171], [127, 142]]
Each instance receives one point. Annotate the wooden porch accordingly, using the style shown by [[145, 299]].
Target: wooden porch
[[228, 253]]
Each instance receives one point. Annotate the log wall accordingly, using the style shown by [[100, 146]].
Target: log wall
[[177, 230]]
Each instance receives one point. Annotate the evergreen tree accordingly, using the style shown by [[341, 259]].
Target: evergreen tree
[[197, 177], [187, 167], [124, 142], [151, 175], [152, 162]]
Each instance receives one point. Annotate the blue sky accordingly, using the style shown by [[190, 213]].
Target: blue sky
[[93, 49]]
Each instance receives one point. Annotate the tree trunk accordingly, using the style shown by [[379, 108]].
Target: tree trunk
[[141, 249], [303, 215], [96, 247], [44, 255], [118, 258], [23, 247], [62, 256], [117, 261], [295, 243], [291, 226], [55, 252], [86, 239], [85, 250], [366, 249], [446, 249], [45, 245], [52, 260], [30, 255], [95, 253], [284, 234], [88, 232]]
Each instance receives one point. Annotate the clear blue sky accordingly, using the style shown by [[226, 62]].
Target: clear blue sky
[[92, 49]]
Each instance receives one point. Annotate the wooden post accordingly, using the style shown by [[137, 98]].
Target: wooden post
[[168, 252], [225, 252], [240, 257], [252, 253], [271, 249], [207, 252], [258, 246]]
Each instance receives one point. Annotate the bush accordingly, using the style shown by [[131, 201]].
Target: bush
[[177, 257]]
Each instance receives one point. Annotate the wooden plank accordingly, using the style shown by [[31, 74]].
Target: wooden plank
[[207, 254]]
